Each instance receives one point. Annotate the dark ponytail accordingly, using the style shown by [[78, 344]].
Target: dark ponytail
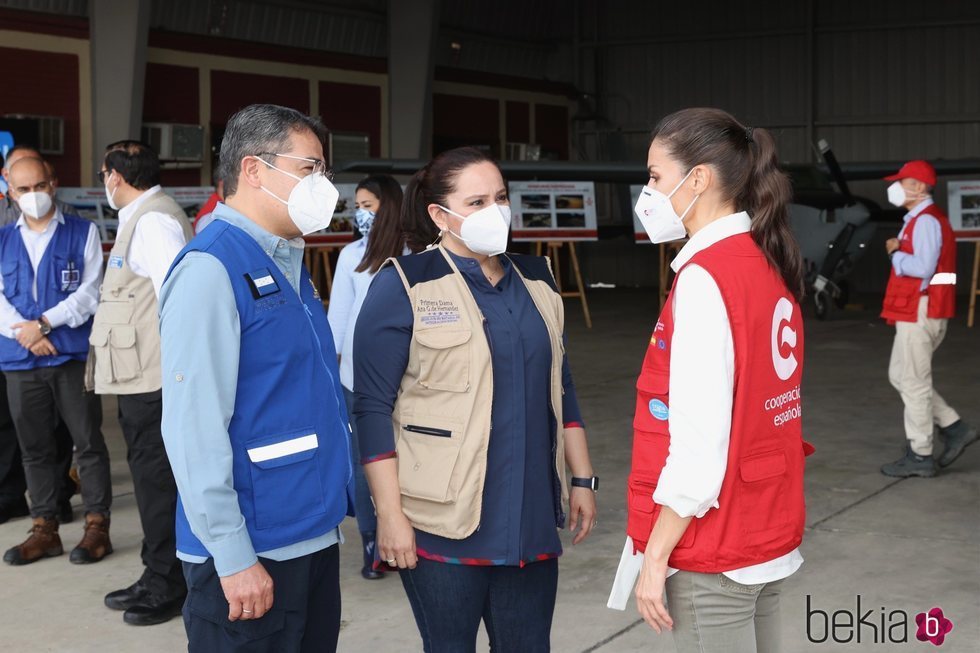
[[768, 194], [432, 185], [749, 175]]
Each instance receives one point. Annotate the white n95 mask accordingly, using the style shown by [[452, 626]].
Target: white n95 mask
[[898, 196], [312, 201], [657, 215], [484, 231], [35, 205]]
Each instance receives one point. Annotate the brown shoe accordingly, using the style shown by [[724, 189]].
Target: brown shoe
[[95, 543], [44, 542]]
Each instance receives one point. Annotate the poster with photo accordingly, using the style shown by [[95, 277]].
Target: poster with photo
[[964, 209], [553, 211]]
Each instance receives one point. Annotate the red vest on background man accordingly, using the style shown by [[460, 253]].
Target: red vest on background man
[[761, 509], [902, 294]]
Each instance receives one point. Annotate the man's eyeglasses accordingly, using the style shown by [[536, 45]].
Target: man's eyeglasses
[[102, 176], [319, 167]]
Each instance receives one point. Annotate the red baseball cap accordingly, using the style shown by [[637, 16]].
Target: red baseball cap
[[920, 170]]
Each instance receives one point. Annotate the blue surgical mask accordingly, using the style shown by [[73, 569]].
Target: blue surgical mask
[[364, 220]]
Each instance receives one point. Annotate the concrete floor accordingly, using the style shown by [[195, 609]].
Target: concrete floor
[[900, 544]]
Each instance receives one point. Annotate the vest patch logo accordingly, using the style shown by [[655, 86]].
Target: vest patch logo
[[659, 410], [437, 311], [261, 283], [783, 340], [71, 277], [115, 262]]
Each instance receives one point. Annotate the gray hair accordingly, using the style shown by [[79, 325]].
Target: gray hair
[[258, 129]]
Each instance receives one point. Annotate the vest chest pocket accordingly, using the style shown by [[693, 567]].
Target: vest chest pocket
[[116, 355], [428, 448], [9, 271], [652, 402], [444, 359]]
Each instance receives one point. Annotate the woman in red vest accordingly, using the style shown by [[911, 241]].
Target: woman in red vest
[[715, 495]]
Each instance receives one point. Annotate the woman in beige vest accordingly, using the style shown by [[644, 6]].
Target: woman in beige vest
[[467, 415]]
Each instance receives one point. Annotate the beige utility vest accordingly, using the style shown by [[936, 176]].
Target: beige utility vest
[[441, 417], [124, 358]]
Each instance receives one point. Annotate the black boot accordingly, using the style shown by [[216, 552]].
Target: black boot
[[368, 571]]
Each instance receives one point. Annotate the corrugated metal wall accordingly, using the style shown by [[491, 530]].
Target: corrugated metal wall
[[60, 7]]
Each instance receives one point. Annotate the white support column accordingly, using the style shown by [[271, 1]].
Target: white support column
[[118, 40], [412, 30]]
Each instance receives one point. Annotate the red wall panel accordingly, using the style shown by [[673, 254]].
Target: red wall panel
[[352, 107], [46, 84], [459, 121], [233, 91], [551, 130], [171, 94]]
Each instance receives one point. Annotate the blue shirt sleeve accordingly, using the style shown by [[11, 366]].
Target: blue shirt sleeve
[[200, 347], [927, 241], [342, 295], [382, 337], [571, 415]]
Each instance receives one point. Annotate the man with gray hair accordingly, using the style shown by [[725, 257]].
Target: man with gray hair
[[254, 420]]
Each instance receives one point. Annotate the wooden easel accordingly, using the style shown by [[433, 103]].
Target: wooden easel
[[667, 250], [974, 289], [317, 261], [554, 248]]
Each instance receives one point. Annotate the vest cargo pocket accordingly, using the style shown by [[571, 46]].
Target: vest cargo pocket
[[639, 509], [285, 478], [427, 456], [116, 358], [765, 501], [444, 359], [652, 402]]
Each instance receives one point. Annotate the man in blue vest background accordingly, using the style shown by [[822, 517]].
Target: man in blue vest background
[[254, 420], [52, 266]]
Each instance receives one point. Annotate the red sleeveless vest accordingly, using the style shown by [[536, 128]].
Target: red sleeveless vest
[[762, 512], [902, 294]]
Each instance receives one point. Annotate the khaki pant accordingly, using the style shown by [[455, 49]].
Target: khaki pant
[[910, 372], [714, 614]]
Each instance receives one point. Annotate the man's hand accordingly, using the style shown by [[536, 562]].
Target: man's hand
[[43, 347], [892, 245], [28, 333], [249, 593], [581, 504]]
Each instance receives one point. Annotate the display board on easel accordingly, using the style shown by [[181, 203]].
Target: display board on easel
[[964, 217], [556, 214]]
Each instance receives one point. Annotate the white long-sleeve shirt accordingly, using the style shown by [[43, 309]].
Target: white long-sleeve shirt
[[79, 306], [927, 243], [156, 242], [702, 373]]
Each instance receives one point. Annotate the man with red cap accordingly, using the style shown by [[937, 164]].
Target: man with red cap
[[919, 300]]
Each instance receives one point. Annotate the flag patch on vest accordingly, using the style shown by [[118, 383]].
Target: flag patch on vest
[[262, 283], [116, 262]]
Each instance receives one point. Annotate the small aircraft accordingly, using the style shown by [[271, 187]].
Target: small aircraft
[[833, 226]]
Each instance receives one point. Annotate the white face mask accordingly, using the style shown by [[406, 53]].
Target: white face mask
[[109, 195], [35, 205], [484, 231], [312, 201], [898, 196], [657, 214]]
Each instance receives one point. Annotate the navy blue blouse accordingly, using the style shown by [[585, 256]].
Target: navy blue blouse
[[521, 511]]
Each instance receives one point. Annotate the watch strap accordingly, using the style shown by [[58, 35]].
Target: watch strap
[[591, 482]]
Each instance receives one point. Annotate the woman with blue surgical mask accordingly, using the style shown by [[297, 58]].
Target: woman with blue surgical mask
[[378, 201], [467, 417]]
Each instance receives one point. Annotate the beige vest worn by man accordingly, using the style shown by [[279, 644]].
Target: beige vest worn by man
[[124, 358], [447, 391]]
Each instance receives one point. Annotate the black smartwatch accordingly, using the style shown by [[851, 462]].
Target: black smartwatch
[[591, 482], [44, 327]]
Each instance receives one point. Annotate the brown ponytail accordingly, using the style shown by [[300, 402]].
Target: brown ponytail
[[768, 194], [748, 172], [431, 185]]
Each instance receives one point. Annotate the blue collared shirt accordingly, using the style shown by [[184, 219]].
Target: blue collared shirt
[[201, 337], [518, 520], [927, 241]]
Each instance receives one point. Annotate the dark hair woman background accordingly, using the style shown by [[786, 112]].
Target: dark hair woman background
[[719, 520], [448, 342], [378, 203]]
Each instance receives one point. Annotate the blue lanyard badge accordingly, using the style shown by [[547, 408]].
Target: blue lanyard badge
[[262, 283]]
